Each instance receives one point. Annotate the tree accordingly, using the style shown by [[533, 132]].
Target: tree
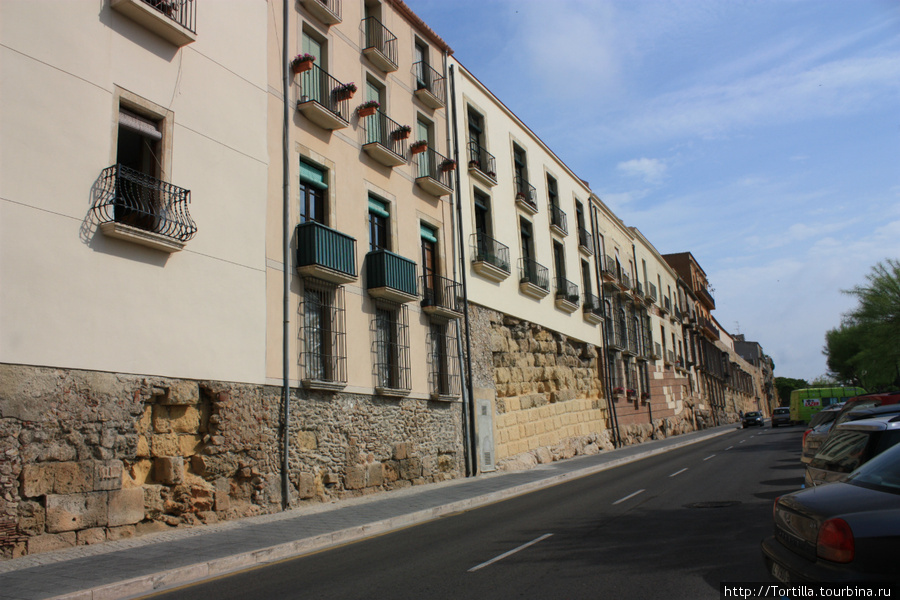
[[786, 385], [842, 347]]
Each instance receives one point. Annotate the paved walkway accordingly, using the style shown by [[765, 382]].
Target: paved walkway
[[137, 566]]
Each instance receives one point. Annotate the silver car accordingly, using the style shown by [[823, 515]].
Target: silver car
[[850, 445]]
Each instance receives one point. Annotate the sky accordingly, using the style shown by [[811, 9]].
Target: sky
[[761, 136]]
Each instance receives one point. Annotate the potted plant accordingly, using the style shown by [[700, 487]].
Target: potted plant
[[402, 132], [368, 108], [618, 391], [344, 91], [448, 164], [631, 393], [302, 62], [645, 396], [418, 146]]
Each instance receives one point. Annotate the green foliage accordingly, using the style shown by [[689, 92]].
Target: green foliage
[[786, 385]]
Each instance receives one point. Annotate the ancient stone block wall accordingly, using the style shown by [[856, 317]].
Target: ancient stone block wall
[[87, 457]]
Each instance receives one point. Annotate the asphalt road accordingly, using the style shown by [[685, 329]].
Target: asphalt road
[[670, 526]]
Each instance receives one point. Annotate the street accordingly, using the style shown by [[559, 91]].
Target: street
[[673, 525]]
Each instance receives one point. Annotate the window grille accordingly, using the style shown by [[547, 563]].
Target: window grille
[[443, 363], [390, 328], [323, 332]]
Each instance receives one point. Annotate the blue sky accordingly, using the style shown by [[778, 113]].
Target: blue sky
[[763, 137]]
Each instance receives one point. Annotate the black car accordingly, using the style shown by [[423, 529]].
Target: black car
[[752, 418], [840, 532]]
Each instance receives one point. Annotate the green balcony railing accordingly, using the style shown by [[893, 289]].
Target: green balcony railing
[[321, 246], [385, 269]]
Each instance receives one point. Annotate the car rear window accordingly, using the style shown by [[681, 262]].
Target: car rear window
[[782, 411], [842, 452], [825, 416], [880, 473]]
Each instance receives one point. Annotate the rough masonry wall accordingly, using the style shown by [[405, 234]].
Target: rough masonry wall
[[87, 457]]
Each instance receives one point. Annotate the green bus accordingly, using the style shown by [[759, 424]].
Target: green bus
[[806, 402]]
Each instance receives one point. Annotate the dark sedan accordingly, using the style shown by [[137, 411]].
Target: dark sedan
[[752, 418], [840, 532]]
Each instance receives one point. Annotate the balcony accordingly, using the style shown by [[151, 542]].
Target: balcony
[[390, 276], [380, 45], [325, 253], [585, 241], [435, 172], [656, 351], [558, 220], [482, 165], [534, 278], [142, 209], [592, 309], [609, 270], [326, 11], [567, 296], [381, 143], [441, 297], [669, 358], [525, 195], [172, 20], [490, 258], [322, 99], [638, 290], [430, 86], [666, 306], [624, 281], [707, 297], [616, 336], [707, 327], [651, 292]]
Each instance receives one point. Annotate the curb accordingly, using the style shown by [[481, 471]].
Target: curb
[[195, 573]]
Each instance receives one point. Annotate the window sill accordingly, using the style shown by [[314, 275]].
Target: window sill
[[141, 236], [319, 384]]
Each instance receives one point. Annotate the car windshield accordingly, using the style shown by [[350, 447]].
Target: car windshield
[[823, 417], [845, 414], [752, 414], [842, 452], [882, 472]]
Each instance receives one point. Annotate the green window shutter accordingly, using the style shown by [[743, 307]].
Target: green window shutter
[[313, 176], [428, 233], [378, 207]]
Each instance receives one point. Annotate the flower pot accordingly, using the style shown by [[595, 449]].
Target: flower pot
[[400, 135], [447, 168], [301, 66], [418, 149], [343, 94], [367, 111]]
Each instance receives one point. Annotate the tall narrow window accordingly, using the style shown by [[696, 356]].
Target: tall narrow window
[[423, 73], [323, 331], [391, 332], [520, 168], [527, 240], [139, 198], [313, 188], [444, 375], [379, 219], [431, 289], [559, 263]]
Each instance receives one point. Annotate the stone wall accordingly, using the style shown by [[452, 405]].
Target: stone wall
[[87, 457]]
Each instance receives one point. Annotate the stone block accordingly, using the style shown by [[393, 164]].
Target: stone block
[[375, 474], [165, 444], [181, 393], [400, 451], [143, 447], [94, 535], [107, 475], [126, 507], [76, 511], [184, 419], [32, 517], [307, 440], [57, 478], [188, 445], [168, 469], [410, 468], [355, 479], [50, 541], [306, 486], [120, 533]]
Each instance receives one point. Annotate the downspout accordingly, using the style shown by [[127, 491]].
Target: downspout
[[468, 394], [286, 260], [617, 442], [641, 321]]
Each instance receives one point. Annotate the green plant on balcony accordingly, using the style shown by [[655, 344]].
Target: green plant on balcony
[[418, 146], [402, 132], [368, 108], [344, 91], [302, 62], [448, 164]]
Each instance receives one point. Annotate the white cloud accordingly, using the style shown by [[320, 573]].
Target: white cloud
[[650, 170]]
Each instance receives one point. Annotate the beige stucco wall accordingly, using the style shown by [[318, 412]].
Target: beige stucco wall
[[72, 297]]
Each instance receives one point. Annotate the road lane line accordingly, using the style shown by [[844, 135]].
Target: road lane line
[[742, 441], [510, 553], [729, 448], [678, 472], [628, 497], [709, 457]]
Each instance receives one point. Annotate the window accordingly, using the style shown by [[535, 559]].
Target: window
[[476, 131], [379, 225], [482, 205], [586, 279], [552, 192], [525, 233], [559, 263], [442, 358], [391, 332], [313, 189], [430, 280], [520, 167], [323, 331], [420, 60]]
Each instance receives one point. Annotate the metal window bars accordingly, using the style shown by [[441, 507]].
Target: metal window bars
[[323, 332], [489, 250], [390, 328], [484, 161], [432, 163], [317, 85], [183, 12], [379, 129], [443, 363]]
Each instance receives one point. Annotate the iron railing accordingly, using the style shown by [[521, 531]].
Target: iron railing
[[558, 218], [625, 280], [484, 161], [389, 270], [435, 165], [531, 271], [380, 38], [390, 330], [130, 197], [427, 78], [566, 290], [489, 250], [318, 86], [616, 334], [667, 304], [651, 291], [380, 128], [441, 292], [609, 267], [592, 305], [322, 246], [333, 7], [638, 288], [586, 240], [670, 357], [323, 330], [443, 372], [657, 351], [525, 192], [183, 12]]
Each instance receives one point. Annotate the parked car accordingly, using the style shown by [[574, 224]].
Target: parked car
[[752, 418], [850, 445], [841, 532], [819, 427], [813, 439], [781, 416]]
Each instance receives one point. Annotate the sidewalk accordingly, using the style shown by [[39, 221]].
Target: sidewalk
[[155, 562]]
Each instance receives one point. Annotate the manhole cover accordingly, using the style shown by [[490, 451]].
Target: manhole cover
[[713, 504]]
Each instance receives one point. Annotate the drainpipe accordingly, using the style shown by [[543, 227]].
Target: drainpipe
[[468, 394], [617, 438], [286, 260]]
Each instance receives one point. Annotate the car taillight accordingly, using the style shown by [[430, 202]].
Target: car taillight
[[805, 433], [835, 541]]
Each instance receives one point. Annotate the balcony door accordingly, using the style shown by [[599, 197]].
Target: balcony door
[[429, 265], [315, 86], [375, 125]]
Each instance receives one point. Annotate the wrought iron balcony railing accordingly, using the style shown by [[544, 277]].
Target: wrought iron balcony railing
[[327, 11], [651, 291], [525, 192], [531, 271], [624, 280], [318, 86], [441, 295], [670, 357], [657, 351], [379, 130], [390, 276], [436, 166], [138, 200], [558, 219], [430, 85], [381, 44], [183, 12], [585, 240], [609, 267], [483, 161], [566, 290], [592, 305], [325, 252], [489, 250], [638, 288]]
